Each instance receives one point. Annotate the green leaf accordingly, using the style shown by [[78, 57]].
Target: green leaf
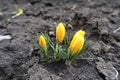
[[87, 58], [18, 12], [52, 47]]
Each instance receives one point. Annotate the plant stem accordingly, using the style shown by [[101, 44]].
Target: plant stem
[[68, 62], [57, 52], [46, 55]]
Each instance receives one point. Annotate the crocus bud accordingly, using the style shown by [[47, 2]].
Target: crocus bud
[[77, 43], [60, 33], [42, 42]]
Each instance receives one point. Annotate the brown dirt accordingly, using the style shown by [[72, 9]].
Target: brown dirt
[[20, 58]]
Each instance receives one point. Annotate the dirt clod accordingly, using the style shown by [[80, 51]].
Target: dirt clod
[[107, 70], [20, 59]]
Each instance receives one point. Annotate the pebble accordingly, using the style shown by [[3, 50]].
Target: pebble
[[51, 33], [5, 37]]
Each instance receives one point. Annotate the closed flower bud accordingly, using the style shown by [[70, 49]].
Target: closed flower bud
[[42, 42], [60, 33], [77, 43], [78, 33]]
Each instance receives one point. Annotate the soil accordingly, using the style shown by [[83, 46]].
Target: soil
[[20, 59]]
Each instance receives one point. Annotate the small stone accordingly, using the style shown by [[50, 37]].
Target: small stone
[[5, 37], [116, 12], [70, 26], [74, 6], [1, 13], [51, 33], [61, 74]]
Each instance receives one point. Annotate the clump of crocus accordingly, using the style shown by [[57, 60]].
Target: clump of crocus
[[76, 45], [71, 47], [43, 46]]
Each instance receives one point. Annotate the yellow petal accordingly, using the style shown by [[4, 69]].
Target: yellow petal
[[60, 33], [80, 32], [78, 45], [42, 42]]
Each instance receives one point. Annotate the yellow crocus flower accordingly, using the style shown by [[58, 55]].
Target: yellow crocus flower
[[77, 43], [78, 33], [42, 42], [60, 33]]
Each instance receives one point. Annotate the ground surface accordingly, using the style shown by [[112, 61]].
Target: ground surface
[[20, 59]]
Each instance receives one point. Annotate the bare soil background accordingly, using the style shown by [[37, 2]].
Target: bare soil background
[[21, 60]]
